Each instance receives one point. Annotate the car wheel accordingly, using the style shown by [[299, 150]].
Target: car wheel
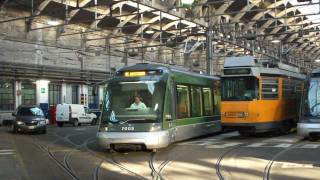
[[60, 124], [94, 121], [313, 138], [75, 123], [14, 129], [43, 131]]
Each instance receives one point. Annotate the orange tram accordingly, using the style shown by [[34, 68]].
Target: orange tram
[[258, 98]]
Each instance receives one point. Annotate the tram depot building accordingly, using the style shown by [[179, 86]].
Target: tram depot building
[[159, 89]]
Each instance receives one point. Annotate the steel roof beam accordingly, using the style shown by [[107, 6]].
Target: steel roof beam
[[106, 12], [242, 12]]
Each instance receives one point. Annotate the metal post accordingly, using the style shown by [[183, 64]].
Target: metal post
[[209, 49], [160, 27], [95, 15], [32, 7], [109, 55], [209, 38], [280, 52]]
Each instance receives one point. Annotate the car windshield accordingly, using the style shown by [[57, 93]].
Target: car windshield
[[239, 88], [313, 100], [30, 111], [137, 101]]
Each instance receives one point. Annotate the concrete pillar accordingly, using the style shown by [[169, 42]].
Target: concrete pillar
[[42, 91], [69, 94], [17, 93], [101, 95], [64, 93], [84, 92]]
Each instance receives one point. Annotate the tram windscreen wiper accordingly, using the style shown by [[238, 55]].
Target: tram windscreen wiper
[[139, 120], [132, 109]]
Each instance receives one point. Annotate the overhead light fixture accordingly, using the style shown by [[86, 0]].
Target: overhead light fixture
[[42, 82], [149, 31], [275, 41], [317, 60], [304, 0], [187, 2], [53, 22]]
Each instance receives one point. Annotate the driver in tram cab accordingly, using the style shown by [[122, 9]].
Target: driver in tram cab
[[138, 104]]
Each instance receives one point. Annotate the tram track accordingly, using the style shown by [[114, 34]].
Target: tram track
[[155, 174], [267, 169], [163, 164], [222, 157], [53, 157], [64, 164], [111, 160]]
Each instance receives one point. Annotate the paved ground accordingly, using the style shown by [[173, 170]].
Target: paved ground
[[72, 153]]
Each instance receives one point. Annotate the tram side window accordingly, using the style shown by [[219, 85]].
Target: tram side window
[[217, 97], [270, 88], [28, 90], [291, 88], [286, 88], [299, 88], [6, 95], [183, 103], [207, 102], [196, 101]]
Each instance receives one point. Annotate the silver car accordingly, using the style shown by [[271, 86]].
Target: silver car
[[29, 119], [309, 124]]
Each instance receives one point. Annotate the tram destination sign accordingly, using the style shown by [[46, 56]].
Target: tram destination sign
[[139, 73], [236, 71]]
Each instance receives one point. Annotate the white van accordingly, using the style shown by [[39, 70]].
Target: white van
[[75, 114]]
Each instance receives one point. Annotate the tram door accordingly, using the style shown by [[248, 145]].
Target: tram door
[[169, 117]]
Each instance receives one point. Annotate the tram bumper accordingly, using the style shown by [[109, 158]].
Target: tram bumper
[[152, 140], [304, 129], [253, 127]]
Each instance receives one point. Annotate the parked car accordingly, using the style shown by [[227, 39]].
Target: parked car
[[6, 118], [29, 119], [75, 114]]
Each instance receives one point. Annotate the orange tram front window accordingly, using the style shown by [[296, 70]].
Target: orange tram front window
[[240, 88]]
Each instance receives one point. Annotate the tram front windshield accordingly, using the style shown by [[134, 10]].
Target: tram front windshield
[[313, 99], [239, 88], [134, 102]]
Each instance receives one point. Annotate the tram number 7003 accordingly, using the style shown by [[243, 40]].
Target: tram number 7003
[[127, 128]]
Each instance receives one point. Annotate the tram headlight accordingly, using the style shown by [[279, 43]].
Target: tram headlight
[[155, 128], [103, 129]]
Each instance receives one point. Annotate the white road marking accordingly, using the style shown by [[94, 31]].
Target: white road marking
[[311, 146], [80, 129], [7, 153], [194, 143], [226, 145], [296, 165], [256, 145], [277, 142], [283, 145], [223, 136], [292, 139], [7, 150]]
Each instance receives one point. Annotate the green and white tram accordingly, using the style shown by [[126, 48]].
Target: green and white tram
[[151, 106]]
